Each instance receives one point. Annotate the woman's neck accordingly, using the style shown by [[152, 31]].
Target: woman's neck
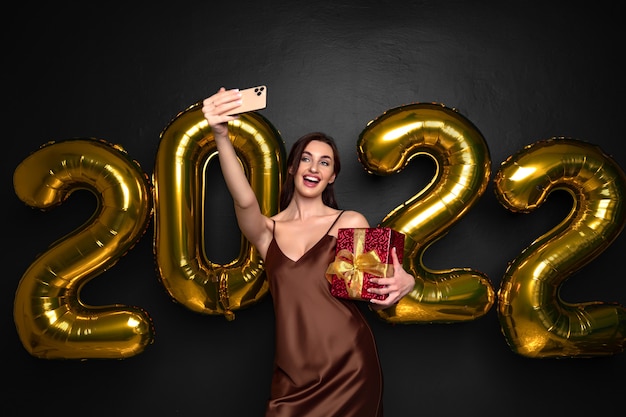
[[302, 208]]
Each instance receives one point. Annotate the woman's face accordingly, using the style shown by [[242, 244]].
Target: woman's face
[[316, 169]]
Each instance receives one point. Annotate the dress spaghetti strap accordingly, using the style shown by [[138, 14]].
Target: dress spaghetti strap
[[331, 226]]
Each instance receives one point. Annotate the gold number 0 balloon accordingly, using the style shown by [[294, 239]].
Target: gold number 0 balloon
[[534, 320], [462, 159], [51, 320], [185, 150]]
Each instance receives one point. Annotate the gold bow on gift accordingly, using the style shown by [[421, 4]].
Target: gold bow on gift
[[350, 267]]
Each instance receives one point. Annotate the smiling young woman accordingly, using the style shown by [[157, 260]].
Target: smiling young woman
[[326, 361]]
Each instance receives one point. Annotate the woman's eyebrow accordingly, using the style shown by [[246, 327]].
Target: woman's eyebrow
[[310, 154]]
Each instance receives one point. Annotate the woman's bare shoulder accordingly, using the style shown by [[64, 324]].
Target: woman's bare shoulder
[[352, 219]]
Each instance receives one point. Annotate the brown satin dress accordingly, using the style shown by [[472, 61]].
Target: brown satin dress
[[326, 363]]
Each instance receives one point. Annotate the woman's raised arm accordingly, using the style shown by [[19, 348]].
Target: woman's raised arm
[[252, 222]]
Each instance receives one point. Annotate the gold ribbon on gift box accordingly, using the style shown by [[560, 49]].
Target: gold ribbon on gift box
[[350, 267]]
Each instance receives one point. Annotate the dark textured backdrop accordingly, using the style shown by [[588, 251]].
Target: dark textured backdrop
[[521, 72]]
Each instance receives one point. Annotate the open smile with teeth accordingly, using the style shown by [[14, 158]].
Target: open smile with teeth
[[310, 179]]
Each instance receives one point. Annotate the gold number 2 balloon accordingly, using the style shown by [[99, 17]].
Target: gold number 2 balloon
[[463, 163], [51, 320], [185, 150], [535, 321]]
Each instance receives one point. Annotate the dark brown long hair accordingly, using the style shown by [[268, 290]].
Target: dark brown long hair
[[293, 161]]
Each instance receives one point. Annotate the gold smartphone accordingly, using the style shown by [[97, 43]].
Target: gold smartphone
[[254, 98]]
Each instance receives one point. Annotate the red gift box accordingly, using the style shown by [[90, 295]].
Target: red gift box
[[363, 253]]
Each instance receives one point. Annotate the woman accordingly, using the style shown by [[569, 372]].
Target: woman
[[326, 363]]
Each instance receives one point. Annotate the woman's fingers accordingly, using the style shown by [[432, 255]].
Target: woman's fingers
[[221, 102]]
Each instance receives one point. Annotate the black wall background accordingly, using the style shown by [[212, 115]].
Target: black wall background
[[520, 71]]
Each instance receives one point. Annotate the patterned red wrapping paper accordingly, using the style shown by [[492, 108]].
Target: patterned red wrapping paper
[[360, 255]]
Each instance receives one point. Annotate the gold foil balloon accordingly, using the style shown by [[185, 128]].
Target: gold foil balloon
[[463, 163], [185, 150], [51, 320], [535, 321]]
